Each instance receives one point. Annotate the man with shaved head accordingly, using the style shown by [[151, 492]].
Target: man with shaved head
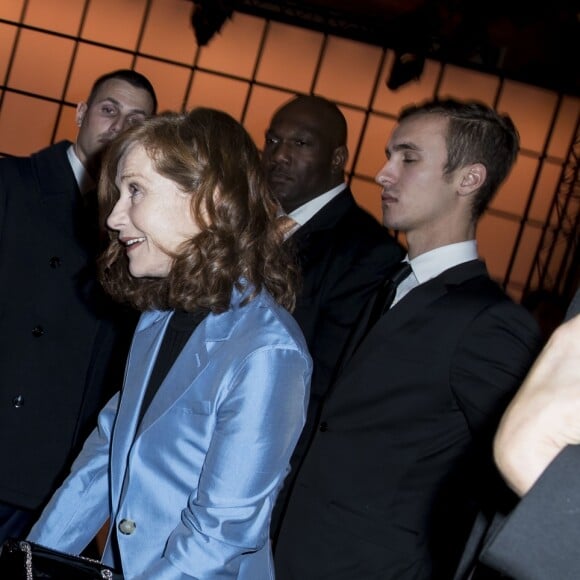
[[305, 151], [343, 251]]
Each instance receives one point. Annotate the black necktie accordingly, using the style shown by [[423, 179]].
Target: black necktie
[[386, 293]]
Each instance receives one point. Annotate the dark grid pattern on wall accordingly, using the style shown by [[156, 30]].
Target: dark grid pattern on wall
[[52, 50]]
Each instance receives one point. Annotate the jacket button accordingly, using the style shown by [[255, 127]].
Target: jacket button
[[54, 262], [37, 331], [18, 401], [324, 426], [127, 527]]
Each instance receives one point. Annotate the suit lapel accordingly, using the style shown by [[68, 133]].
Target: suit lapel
[[417, 300], [187, 370], [357, 334], [426, 294], [146, 343], [188, 367], [326, 218]]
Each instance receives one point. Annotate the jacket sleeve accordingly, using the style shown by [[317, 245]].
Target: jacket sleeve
[[540, 538], [80, 507], [492, 358]]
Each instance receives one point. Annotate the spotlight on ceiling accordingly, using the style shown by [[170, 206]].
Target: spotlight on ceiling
[[408, 66], [208, 17]]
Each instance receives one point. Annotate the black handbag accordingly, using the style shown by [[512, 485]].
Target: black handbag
[[22, 560]]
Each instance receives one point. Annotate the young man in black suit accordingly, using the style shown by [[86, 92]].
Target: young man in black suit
[[401, 460], [344, 252], [62, 343]]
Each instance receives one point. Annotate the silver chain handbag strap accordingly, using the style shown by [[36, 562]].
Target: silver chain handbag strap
[[25, 547]]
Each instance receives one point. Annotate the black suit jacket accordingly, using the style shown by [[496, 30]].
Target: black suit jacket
[[344, 254], [401, 459], [539, 539], [61, 353]]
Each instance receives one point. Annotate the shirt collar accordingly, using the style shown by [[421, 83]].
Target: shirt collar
[[430, 264], [307, 211], [84, 180]]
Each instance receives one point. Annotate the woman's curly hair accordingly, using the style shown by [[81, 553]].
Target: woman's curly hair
[[210, 155]]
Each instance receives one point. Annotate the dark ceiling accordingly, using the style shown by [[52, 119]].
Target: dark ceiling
[[539, 45]]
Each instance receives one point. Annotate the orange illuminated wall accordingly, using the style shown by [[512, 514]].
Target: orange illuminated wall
[[52, 50]]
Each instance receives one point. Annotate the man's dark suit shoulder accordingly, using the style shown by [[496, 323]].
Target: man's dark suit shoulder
[[343, 215], [53, 153], [345, 245], [344, 254], [43, 172]]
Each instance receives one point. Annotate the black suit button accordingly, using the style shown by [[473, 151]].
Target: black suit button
[[37, 331], [324, 426], [54, 262], [18, 401]]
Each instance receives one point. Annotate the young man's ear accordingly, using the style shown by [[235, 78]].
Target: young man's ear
[[472, 178], [81, 112]]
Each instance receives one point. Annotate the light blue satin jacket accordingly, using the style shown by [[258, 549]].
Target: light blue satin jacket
[[191, 492]]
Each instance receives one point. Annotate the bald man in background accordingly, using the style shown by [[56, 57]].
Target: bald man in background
[[343, 251]]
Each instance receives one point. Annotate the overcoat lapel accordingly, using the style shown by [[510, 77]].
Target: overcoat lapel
[[56, 181]]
